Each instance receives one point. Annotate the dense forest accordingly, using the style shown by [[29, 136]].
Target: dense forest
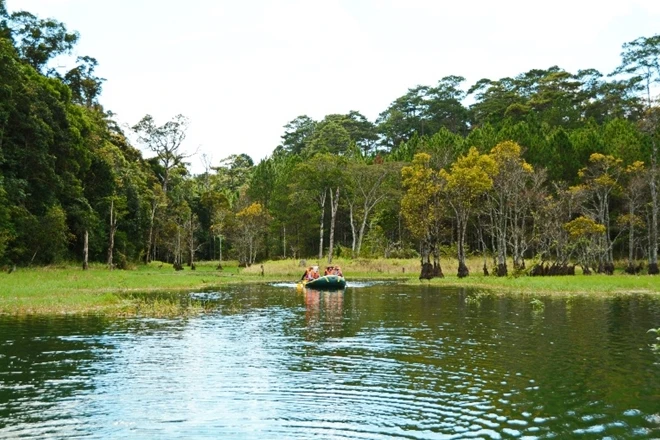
[[551, 167]]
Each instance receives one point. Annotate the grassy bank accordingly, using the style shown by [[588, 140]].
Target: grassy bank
[[69, 289], [408, 271]]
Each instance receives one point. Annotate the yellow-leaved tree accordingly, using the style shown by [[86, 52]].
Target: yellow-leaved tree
[[465, 183], [600, 179], [585, 234], [509, 203], [251, 222], [422, 210]]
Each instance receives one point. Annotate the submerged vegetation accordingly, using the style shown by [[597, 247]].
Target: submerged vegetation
[[547, 173]]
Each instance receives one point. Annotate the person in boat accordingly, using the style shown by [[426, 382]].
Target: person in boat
[[330, 270], [337, 271], [315, 272], [308, 275]]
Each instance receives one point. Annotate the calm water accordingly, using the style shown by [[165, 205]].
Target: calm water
[[374, 362]]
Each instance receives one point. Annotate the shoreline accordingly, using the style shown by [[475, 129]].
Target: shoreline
[[68, 290]]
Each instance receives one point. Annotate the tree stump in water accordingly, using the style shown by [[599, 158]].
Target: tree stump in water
[[634, 270], [607, 269], [502, 270], [427, 271], [537, 270], [485, 269], [463, 271], [437, 270], [653, 269]]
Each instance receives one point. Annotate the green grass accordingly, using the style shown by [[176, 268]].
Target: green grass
[[67, 289], [408, 271]]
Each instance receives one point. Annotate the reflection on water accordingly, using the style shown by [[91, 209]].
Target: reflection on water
[[385, 361], [324, 311]]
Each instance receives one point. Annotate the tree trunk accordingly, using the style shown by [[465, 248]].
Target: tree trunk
[[500, 216], [502, 269], [437, 269], [219, 252], [113, 230], [363, 227], [284, 240], [493, 238], [483, 250], [192, 243], [322, 200], [631, 245], [85, 251], [427, 267], [462, 267], [334, 205], [177, 252], [150, 240], [653, 239], [353, 232]]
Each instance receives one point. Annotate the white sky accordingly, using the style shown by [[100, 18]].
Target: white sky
[[241, 69]]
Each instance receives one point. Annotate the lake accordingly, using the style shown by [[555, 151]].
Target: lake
[[377, 361]]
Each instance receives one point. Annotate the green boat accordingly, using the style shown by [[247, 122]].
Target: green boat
[[326, 282]]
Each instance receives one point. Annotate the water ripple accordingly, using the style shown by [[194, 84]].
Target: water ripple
[[381, 362]]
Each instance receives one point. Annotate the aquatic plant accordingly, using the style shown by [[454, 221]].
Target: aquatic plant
[[655, 347], [537, 304]]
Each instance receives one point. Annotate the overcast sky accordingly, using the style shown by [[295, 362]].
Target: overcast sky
[[241, 69]]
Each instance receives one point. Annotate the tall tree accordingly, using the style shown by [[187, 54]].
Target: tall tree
[[251, 222], [40, 40], [297, 133], [600, 179], [421, 208], [468, 180], [330, 137], [85, 86], [314, 180], [424, 110], [640, 59], [367, 186], [507, 201], [165, 141], [234, 173], [634, 197]]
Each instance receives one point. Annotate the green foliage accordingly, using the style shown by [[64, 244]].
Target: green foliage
[[67, 170], [40, 40], [537, 305], [6, 229], [297, 134], [424, 110], [422, 186]]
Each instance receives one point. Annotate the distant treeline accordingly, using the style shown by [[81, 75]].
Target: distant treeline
[[549, 167]]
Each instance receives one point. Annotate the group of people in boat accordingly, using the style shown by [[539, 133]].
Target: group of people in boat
[[312, 272]]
